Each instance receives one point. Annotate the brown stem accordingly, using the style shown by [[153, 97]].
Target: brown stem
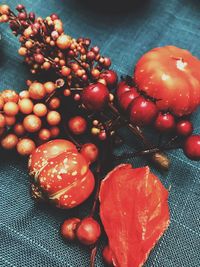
[[158, 158], [98, 180], [93, 256]]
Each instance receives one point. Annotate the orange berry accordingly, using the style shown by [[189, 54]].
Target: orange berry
[[19, 129], [54, 103], [77, 125], [46, 65], [22, 51], [1, 102], [53, 118], [25, 146], [44, 134], [32, 123], [55, 131], [65, 71], [10, 96], [67, 92], [37, 91], [40, 110], [49, 87], [63, 42], [2, 121], [4, 9], [11, 108], [10, 120], [9, 142], [26, 106], [24, 94]]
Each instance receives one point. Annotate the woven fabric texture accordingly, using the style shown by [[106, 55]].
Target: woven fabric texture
[[30, 232]]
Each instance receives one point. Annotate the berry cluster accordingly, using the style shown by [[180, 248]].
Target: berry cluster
[[27, 118], [143, 111], [45, 46]]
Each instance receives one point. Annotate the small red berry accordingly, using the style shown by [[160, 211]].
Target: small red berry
[[107, 256], [110, 76], [127, 97], [184, 128], [102, 135], [165, 122], [142, 111], [90, 152], [95, 96], [68, 228], [88, 231], [77, 125], [122, 88], [191, 147]]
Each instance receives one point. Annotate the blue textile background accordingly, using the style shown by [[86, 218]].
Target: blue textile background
[[30, 232]]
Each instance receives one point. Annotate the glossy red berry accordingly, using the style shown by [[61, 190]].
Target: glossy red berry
[[184, 128], [165, 122], [191, 147], [142, 111], [127, 97], [111, 77], [122, 88], [95, 96], [77, 125], [107, 256], [88, 231], [90, 152], [68, 228]]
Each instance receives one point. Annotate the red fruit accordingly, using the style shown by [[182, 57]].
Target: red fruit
[[184, 128], [122, 88], [110, 76], [88, 231], [68, 228], [95, 96], [107, 256], [171, 75], [191, 147], [165, 122], [77, 125], [127, 97], [40, 157], [90, 152], [142, 111], [65, 179]]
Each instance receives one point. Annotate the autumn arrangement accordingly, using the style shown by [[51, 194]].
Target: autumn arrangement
[[69, 127]]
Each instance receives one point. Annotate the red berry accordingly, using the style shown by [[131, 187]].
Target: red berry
[[88, 231], [122, 88], [90, 152], [142, 111], [165, 122], [184, 128], [102, 135], [107, 256], [127, 97], [95, 96], [77, 125], [110, 76], [191, 147], [68, 228]]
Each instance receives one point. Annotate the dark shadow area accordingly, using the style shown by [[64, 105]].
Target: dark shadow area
[[112, 6]]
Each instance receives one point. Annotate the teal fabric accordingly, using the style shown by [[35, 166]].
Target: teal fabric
[[30, 232]]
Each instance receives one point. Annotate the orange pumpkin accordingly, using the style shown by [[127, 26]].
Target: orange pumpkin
[[61, 173], [171, 75]]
